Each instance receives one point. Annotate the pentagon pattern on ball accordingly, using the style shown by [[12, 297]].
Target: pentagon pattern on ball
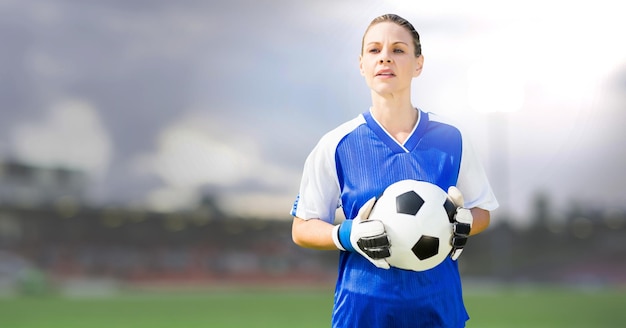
[[426, 247], [450, 209], [409, 203], [417, 224]]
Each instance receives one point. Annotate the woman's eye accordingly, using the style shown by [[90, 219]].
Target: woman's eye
[[374, 51], [398, 51]]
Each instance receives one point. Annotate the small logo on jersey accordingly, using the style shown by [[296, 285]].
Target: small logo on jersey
[[295, 205]]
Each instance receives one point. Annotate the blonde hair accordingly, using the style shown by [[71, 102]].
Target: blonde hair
[[400, 21]]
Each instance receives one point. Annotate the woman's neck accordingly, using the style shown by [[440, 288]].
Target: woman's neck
[[397, 116]]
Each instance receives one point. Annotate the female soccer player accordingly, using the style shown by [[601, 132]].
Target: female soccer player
[[355, 162]]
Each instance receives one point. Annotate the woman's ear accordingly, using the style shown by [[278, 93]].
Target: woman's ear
[[361, 65], [419, 65]]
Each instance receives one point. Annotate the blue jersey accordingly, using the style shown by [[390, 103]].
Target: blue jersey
[[356, 162]]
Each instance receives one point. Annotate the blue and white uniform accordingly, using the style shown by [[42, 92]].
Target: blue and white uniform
[[357, 161]]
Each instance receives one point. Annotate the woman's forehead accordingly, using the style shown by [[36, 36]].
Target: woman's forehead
[[387, 31]]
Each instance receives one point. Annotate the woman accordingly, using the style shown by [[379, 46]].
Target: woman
[[355, 162]]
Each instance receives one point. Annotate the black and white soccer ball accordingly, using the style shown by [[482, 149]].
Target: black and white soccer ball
[[415, 215]]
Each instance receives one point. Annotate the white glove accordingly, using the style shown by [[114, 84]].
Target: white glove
[[461, 220], [364, 236]]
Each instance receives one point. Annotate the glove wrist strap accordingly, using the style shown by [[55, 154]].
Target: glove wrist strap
[[341, 236], [335, 235]]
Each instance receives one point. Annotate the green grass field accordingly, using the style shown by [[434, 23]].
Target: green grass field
[[510, 307]]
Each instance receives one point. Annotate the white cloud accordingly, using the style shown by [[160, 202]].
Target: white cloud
[[262, 205], [71, 135], [189, 156], [196, 151]]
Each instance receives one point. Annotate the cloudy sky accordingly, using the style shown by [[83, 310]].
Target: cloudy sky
[[160, 101]]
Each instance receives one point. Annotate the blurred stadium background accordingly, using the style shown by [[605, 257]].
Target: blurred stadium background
[[60, 243], [157, 147]]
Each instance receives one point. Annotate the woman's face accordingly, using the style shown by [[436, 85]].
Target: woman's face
[[388, 62]]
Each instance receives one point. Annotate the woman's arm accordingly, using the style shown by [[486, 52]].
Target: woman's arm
[[481, 220], [317, 234], [313, 233]]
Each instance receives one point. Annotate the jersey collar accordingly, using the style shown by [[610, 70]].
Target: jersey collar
[[410, 143]]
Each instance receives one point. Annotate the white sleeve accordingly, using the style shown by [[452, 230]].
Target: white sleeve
[[320, 194], [473, 182]]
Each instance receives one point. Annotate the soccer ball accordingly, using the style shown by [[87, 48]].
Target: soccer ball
[[417, 223]]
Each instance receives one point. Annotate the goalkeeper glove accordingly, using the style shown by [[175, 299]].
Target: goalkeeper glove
[[364, 236], [461, 219]]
